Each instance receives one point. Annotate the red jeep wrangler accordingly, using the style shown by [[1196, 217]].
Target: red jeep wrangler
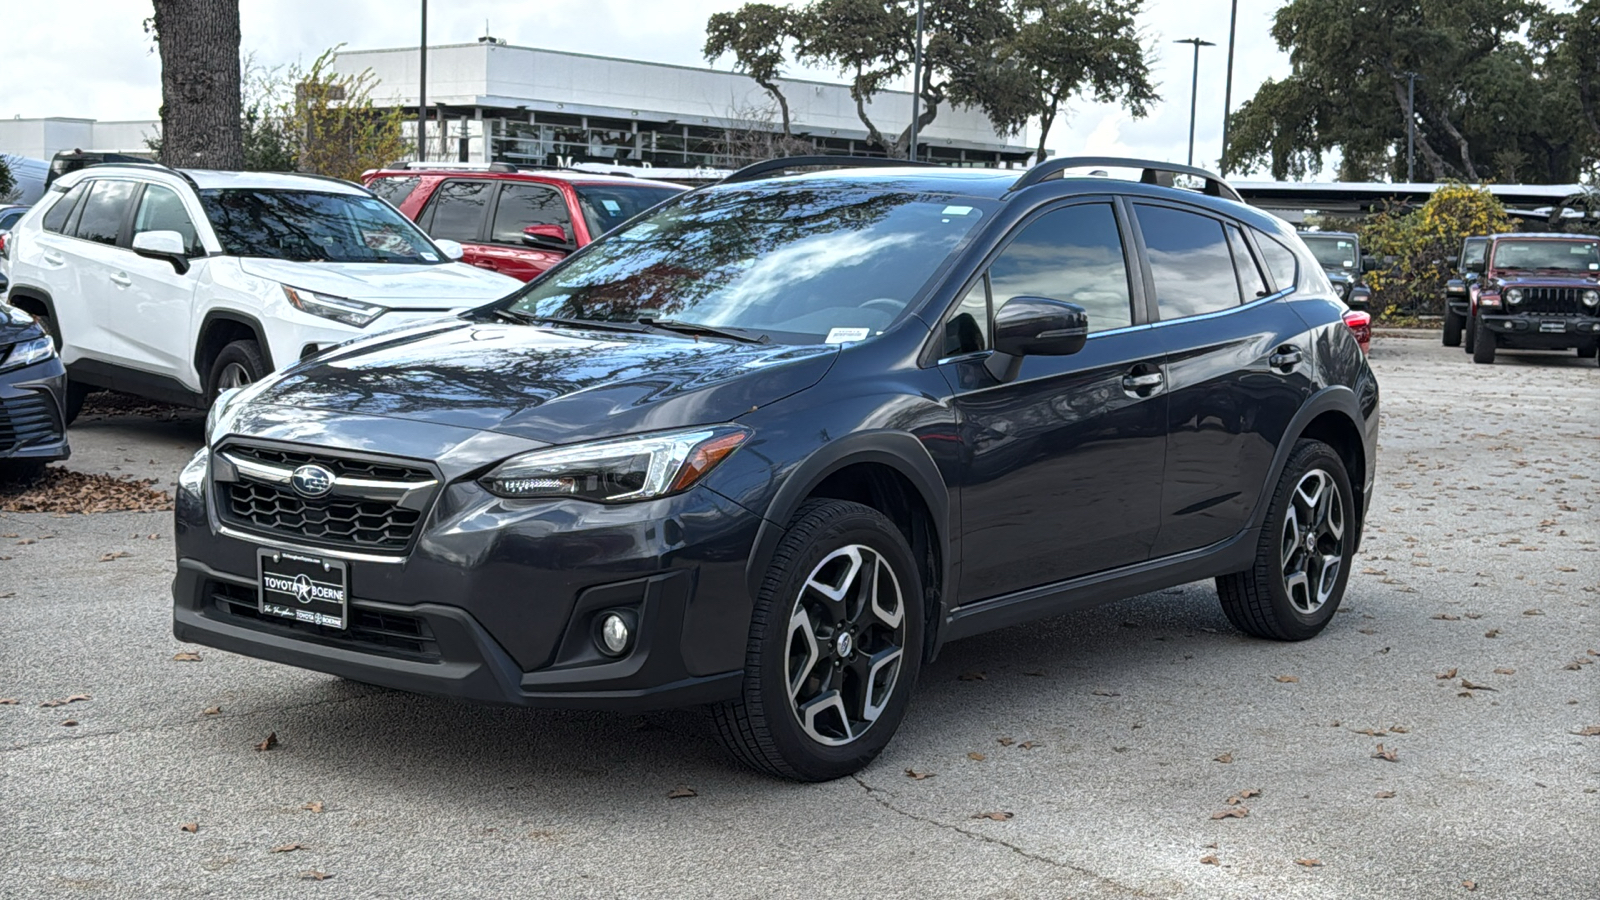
[[1535, 291], [519, 222]]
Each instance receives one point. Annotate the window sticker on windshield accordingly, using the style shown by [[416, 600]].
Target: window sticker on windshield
[[956, 210], [846, 335], [611, 206], [430, 257]]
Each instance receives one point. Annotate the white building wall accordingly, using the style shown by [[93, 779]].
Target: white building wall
[[43, 138]]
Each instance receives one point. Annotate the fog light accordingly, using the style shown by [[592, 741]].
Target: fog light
[[615, 634]]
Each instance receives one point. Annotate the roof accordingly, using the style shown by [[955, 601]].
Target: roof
[[568, 175], [1333, 234], [207, 179], [1542, 236]]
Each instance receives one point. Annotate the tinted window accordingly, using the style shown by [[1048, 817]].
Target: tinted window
[[1332, 252], [8, 219], [522, 205], [1474, 252], [967, 329], [800, 263], [605, 206], [457, 208], [162, 210], [1189, 262], [1280, 261], [1567, 256], [313, 227], [394, 189], [104, 210], [1073, 254], [56, 219], [1251, 284]]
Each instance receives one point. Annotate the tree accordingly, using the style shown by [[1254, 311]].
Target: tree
[[756, 35], [199, 45], [8, 182], [333, 125], [1423, 241], [1486, 106]]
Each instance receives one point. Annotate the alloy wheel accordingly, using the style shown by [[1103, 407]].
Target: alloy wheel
[[233, 375], [1313, 542], [846, 641]]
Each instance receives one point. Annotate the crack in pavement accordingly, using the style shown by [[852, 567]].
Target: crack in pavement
[[880, 796]]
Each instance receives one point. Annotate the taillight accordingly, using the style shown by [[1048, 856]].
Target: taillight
[[1360, 322]]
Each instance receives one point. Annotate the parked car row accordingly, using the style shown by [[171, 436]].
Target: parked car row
[[1525, 291]]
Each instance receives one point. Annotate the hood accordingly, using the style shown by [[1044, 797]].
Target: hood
[[1515, 278], [447, 286], [16, 325], [554, 385]]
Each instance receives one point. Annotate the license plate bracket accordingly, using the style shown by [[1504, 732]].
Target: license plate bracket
[[303, 587], [1552, 327]]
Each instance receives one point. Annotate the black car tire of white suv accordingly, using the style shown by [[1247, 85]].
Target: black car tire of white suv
[[236, 365], [845, 592], [1290, 594]]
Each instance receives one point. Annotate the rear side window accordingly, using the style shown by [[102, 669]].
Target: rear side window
[[1251, 284], [394, 188], [9, 219], [1189, 261], [457, 209], [104, 210], [56, 219], [1280, 261], [1072, 254], [161, 209], [522, 205]]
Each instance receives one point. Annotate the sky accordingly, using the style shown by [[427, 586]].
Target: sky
[[103, 66]]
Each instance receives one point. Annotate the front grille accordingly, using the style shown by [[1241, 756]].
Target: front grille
[[388, 633], [1554, 301], [28, 420], [357, 520]]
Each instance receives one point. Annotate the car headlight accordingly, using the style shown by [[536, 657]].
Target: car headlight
[[219, 407], [26, 353], [339, 309], [618, 471], [1591, 298], [1514, 296]]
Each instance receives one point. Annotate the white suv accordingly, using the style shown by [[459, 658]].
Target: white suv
[[175, 285]]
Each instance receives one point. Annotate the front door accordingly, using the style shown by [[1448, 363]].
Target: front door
[[156, 311], [1063, 464]]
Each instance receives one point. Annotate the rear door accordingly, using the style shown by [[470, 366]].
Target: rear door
[[1237, 364], [96, 228], [1062, 471], [519, 205], [458, 211]]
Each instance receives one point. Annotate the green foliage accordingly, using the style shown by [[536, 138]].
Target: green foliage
[[1016, 60], [336, 127], [1424, 244], [1494, 100], [8, 182]]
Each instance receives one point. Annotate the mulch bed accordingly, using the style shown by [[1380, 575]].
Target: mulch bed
[[64, 491], [111, 403]]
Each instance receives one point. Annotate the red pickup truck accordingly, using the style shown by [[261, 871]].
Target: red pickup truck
[[519, 222]]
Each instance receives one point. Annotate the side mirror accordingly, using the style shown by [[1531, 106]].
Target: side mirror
[[1369, 263], [1476, 266], [1455, 287], [1360, 298], [167, 245], [1035, 326], [547, 237], [452, 249]]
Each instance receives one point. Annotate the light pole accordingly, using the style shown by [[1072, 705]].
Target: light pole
[[1194, 87], [1411, 128], [1227, 92], [916, 85], [422, 91]]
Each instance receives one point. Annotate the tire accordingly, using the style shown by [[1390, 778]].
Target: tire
[[1589, 352], [238, 364], [1290, 593], [1471, 335], [1452, 329], [76, 393], [796, 631], [1483, 349]]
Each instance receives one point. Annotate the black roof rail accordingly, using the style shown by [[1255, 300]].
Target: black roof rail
[[1158, 173], [767, 166], [146, 164]]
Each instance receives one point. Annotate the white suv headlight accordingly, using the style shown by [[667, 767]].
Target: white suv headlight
[[27, 353], [636, 468], [339, 309]]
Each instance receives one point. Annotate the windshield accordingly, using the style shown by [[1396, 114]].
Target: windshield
[[1569, 256], [1333, 252], [605, 206], [305, 226], [802, 263]]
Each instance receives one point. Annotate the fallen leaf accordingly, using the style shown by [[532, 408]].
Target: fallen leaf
[[1232, 812], [78, 698], [1247, 793], [314, 806], [1444, 676], [8, 701], [1399, 729], [1505, 671], [108, 557], [919, 775], [1573, 666], [1224, 758], [1384, 795], [71, 723], [1533, 612], [51, 704], [998, 816], [975, 756], [1446, 617], [1370, 732], [1035, 673], [1286, 679], [1209, 860], [1588, 731], [1493, 632], [972, 676], [186, 656], [212, 711], [1565, 569], [1390, 755], [1027, 745], [1308, 863], [190, 827], [1470, 885], [1006, 742], [1105, 693], [289, 848], [1473, 686], [269, 743], [314, 875], [682, 791]]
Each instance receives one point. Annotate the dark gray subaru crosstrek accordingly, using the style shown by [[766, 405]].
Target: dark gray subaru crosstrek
[[772, 444]]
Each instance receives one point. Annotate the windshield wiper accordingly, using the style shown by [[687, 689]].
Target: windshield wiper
[[601, 324], [695, 328]]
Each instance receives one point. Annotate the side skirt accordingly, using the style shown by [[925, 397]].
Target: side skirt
[[130, 381]]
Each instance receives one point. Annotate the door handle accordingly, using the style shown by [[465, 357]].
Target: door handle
[[121, 279], [1286, 358], [53, 259], [484, 265], [1142, 384]]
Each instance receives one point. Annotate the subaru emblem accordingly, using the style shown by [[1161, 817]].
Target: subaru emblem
[[311, 481]]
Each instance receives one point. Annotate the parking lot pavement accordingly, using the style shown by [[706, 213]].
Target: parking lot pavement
[[1114, 738]]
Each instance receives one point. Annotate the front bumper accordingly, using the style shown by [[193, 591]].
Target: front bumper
[[496, 601], [31, 412], [1540, 330]]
